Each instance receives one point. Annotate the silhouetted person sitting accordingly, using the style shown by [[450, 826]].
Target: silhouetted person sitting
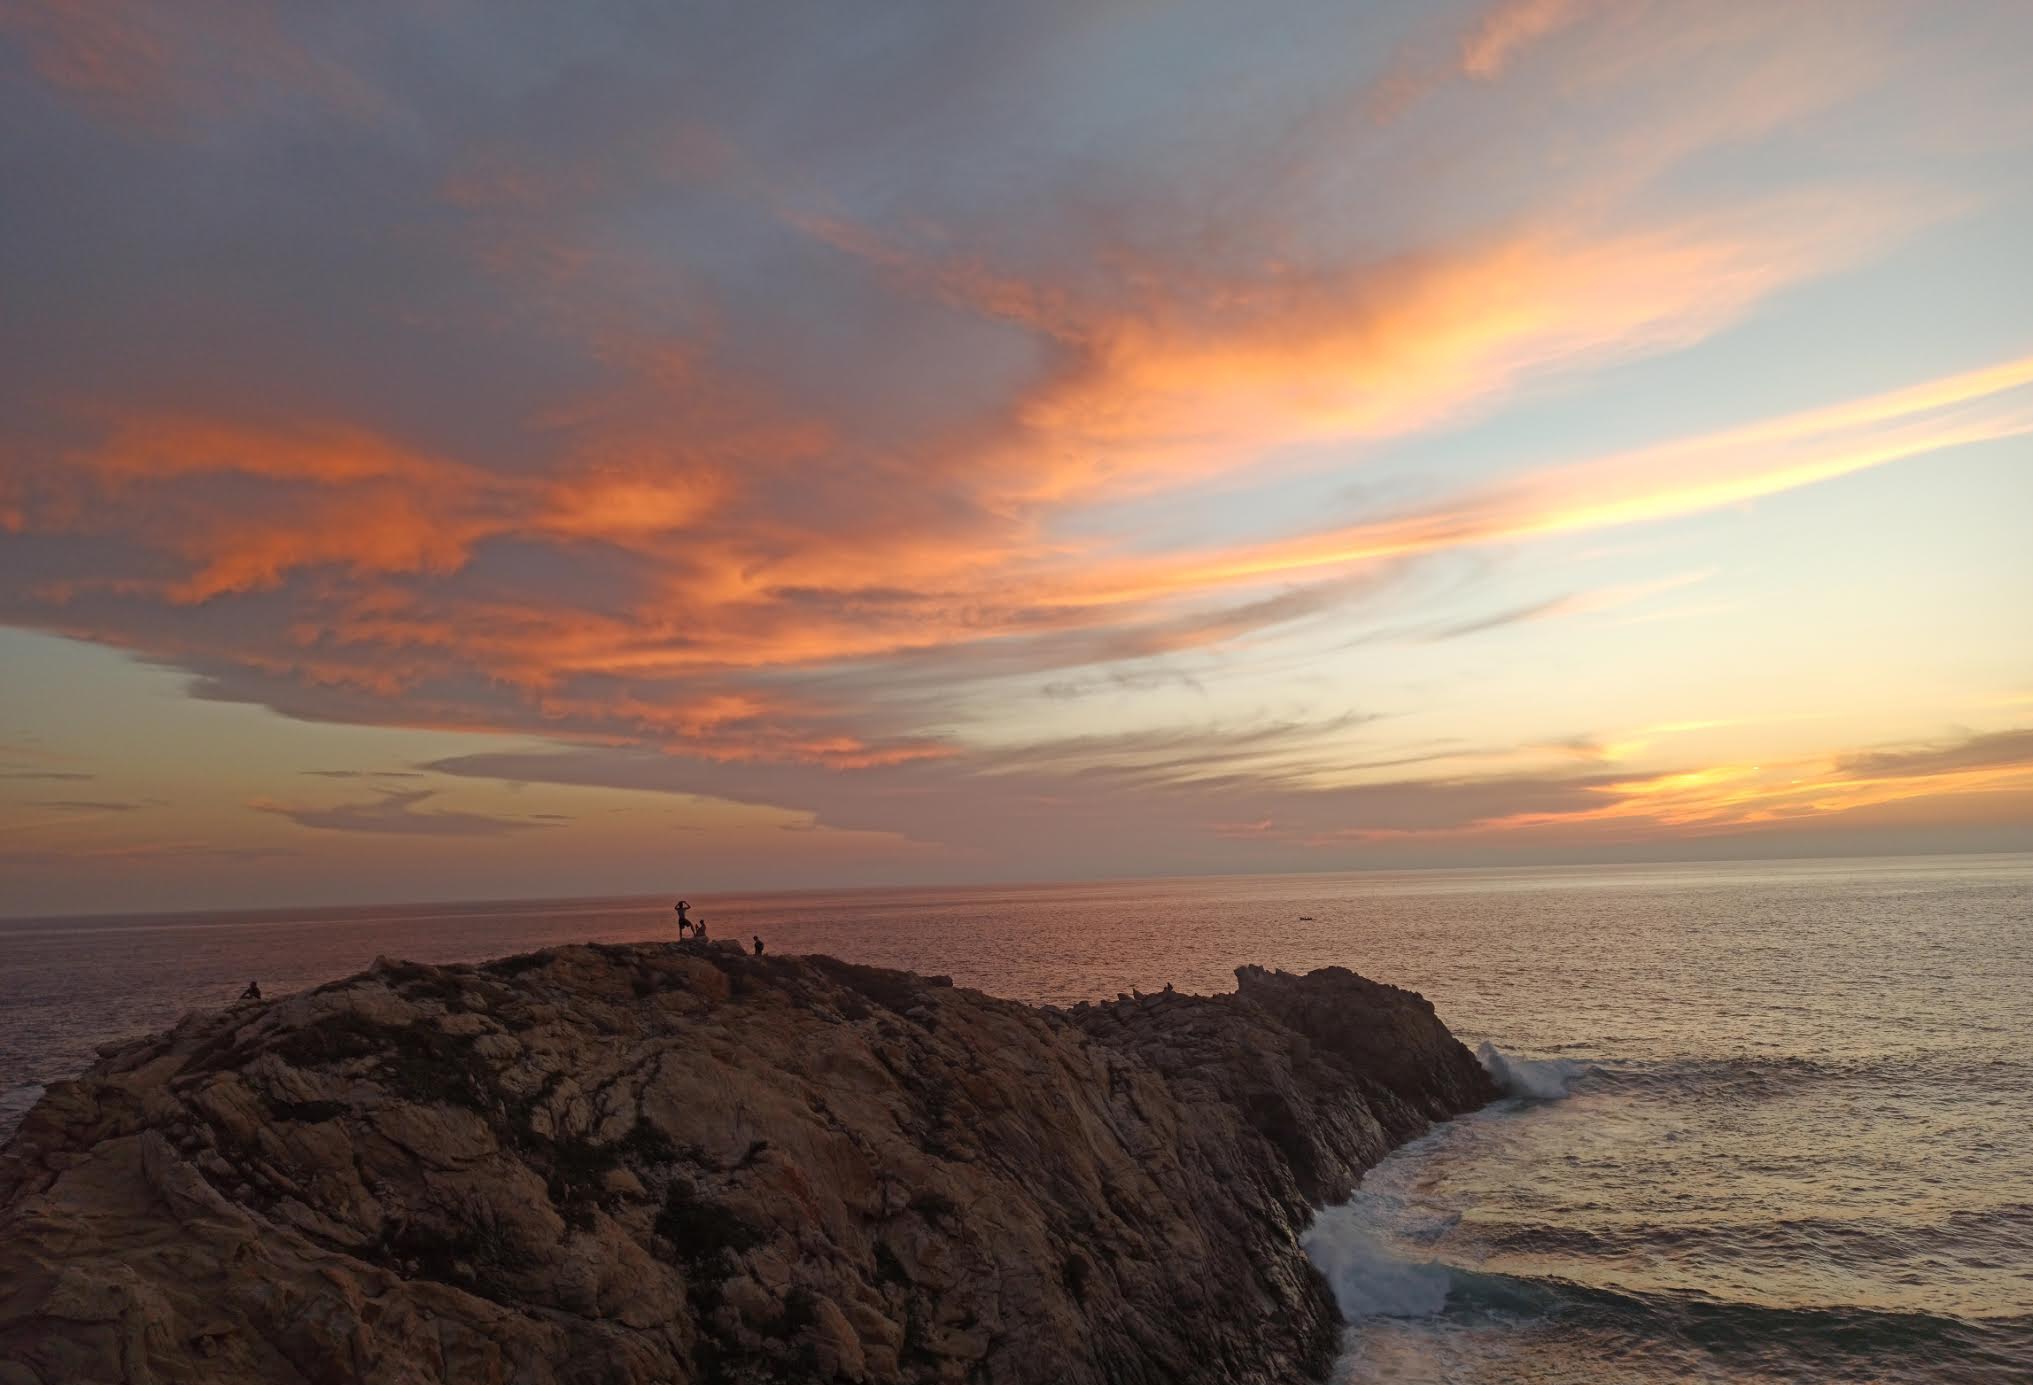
[[684, 924], [699, 931], [253, 991], [758, 947]]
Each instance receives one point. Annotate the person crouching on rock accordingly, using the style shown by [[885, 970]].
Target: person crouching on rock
[[253, 991], [758, 944]]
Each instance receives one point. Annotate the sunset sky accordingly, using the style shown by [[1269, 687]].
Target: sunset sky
[[476, 450]]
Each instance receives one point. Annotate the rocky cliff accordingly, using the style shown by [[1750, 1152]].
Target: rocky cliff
[[675, 1163]]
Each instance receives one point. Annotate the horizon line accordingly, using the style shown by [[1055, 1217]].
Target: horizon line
[[470, 903]]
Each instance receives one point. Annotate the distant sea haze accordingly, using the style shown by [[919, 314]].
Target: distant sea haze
[[1768, 1120]]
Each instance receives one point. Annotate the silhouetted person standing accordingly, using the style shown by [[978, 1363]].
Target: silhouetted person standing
[[253, 991], [758, 947], [684, 924]]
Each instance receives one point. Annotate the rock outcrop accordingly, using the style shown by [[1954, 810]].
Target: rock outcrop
[[670, 1163]]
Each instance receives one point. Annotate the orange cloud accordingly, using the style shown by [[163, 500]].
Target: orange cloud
[[1489, 42], [713, 588], [1507, 29], [627, 507], [759, 537], [102, 51], [293, 497], [148, 65], [1652, 483], [1161, 390], [759, 440], [1731, 798]]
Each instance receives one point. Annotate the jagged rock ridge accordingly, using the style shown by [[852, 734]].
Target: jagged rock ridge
[[678, 1163]]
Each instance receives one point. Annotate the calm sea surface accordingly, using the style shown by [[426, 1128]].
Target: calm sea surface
[[1772, 1122]]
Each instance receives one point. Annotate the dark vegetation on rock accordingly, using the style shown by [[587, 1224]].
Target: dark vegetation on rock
[[670, 1163]]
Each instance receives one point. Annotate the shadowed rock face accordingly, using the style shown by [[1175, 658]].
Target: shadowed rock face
[[679, 1163]]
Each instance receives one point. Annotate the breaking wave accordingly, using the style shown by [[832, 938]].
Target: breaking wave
[[1381, 1287], [1369, 1279], [1573, 1267], [1531, 1079]]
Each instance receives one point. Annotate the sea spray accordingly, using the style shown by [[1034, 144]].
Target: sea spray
[[1367, 1248], [1530, 1079], [1369, 1279]]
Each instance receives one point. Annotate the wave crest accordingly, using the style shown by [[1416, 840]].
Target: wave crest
[[1530, 1079], [1368, 1278]]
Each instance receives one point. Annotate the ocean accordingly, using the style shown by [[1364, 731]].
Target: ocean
[[1767, 1121]]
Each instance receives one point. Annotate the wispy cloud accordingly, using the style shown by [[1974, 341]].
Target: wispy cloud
[[149, 71], [173, 852], [1987, 750], [1304, 796], [1508, 28], [396, 813], [1737, 797], [1079, 611], [1485, 42], [1195, 375], [1671, 479], [821, 433]]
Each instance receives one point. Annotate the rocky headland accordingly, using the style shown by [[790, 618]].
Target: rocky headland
[[678, 1163]]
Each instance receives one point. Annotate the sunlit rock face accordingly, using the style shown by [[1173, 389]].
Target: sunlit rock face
[[661, 1163]]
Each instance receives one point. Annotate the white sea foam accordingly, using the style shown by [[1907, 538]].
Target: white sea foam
[[1530, 1079], [1369, 1279]]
